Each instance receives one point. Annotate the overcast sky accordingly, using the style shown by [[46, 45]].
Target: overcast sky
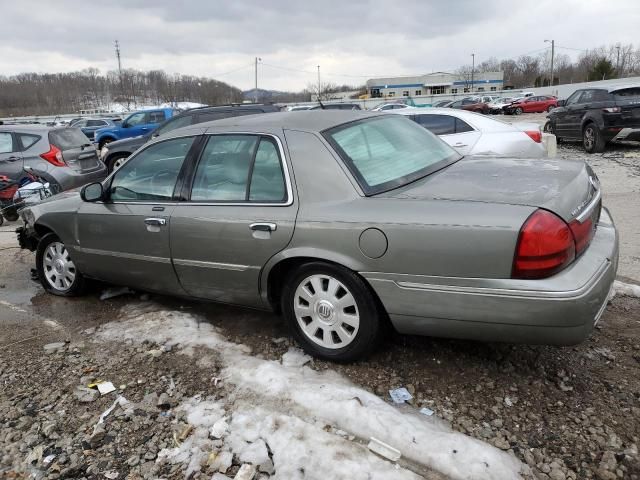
[[351, 40]]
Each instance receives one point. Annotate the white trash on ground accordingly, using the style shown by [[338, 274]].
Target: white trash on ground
[[625, 289], [273, 404], [400, 395]]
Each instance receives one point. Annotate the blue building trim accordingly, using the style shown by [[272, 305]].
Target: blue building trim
[[477, 82], [405, 85]]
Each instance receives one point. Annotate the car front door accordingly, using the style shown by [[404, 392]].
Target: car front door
[[125, 238], [240, 212], [563, 114], [10, 157], [575, 113]]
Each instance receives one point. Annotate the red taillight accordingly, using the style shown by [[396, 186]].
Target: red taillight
[[545, 246], [582, 233], [536, 135], [54, 156]]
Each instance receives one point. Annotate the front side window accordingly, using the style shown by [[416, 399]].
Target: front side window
[[574, 97], [136, 119], [239, 168], [387, 152], [156, 117], [6, 142], [151, 175]]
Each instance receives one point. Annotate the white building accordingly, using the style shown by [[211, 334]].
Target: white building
[[434, 84]]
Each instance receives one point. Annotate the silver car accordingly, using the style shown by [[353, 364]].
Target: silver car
[[64, 155], [347, 222], [474, 134]]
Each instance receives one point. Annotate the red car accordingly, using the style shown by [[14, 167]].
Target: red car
[[472, 104], [539, 104]]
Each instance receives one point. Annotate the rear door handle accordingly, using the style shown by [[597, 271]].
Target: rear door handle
[[155, 222], [13, 159], [263, 227], [460, 145]]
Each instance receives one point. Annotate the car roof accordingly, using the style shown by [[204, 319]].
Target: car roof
[[36, 127], [309, 120], [477, 120], [614, 88]]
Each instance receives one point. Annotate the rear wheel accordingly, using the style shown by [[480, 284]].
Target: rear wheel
[[56, 270], [115, 162], [592, 139], [331, 312]]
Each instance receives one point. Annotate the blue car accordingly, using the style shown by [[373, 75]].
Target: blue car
[[136, 124], [90, 125]]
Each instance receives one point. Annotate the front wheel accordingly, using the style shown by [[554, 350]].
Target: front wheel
[[331, 312], [550, 107], [518, 111], [115, 162], [56, 270], [103, 142], [592, 139]]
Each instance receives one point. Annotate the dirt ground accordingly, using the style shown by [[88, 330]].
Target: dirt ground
[[569, 412]]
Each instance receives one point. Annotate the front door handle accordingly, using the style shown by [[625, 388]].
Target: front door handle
[[460, 145], [155, 222], [263, 227]]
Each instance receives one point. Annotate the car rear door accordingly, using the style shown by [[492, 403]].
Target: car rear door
[[125, 238], [10, 157], [240, 212], [77, 151]]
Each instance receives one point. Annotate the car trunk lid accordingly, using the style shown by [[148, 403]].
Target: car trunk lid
[[565, 187], [77, 151]]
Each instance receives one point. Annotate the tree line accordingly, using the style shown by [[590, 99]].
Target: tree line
[[58, 93], [602, 63]]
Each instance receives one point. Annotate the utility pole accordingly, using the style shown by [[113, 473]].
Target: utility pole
[[553, 44], [473, 67], [120, 73], [258, 59], [318, 84], [618, 61]]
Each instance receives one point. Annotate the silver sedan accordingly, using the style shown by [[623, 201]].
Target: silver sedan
[[474, 134], [347, 223]]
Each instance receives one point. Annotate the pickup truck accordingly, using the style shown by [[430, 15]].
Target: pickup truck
[[135, 125]]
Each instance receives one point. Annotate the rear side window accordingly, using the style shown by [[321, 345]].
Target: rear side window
[[67, 138], [156, 117], [267, 180], [437, 124], [6, 142], [27, 140], [178, 122], [462, 126], [210, 116], [96, 123], [626, 93]]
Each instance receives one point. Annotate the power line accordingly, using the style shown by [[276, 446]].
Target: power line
[[232, 71]]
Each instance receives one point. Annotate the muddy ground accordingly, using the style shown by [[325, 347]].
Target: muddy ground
[[569, 412]]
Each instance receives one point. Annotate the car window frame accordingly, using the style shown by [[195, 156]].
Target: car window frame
[[21, 145], [426, 114], [187, 185], [577, 94], [180, 179]]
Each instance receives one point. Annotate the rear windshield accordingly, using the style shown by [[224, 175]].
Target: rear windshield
[[387, 152], [626, 93], [66, 138]]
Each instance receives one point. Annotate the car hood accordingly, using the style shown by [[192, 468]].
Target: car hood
[[562, 186]]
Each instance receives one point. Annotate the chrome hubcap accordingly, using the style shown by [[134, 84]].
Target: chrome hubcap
[[326, 311], [588, 137], [118, 163], [59, 270]]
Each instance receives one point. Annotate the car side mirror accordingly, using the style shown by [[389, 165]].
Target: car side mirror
[[562, 103], [93, 192]]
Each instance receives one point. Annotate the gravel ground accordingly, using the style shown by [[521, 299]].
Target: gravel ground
[[566, 412]]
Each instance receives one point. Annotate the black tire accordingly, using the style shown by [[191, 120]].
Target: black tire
[[550, 107], [76, 287], [1, 220], [371, 315], [111, 161], [592, 139], [518, 111], [11, 214]]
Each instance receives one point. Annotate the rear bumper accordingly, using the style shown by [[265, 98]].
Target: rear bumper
[[560, 310], [628, 134]]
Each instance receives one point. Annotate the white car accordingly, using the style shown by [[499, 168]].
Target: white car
[[474, 134], [383, 107], [297, 108]]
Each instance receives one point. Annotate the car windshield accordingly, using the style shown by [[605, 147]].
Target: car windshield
[[384, 153]]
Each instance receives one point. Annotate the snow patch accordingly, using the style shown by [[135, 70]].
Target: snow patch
[[625, 289], [288, 406]]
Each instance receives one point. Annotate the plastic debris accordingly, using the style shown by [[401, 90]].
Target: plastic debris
[[106, 387], [426, 411], [115, 292], [111, 474], [123, 402], [246, 472], [54, 347], [384, 450], [219, 429], [400, 395], [48, 459]]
